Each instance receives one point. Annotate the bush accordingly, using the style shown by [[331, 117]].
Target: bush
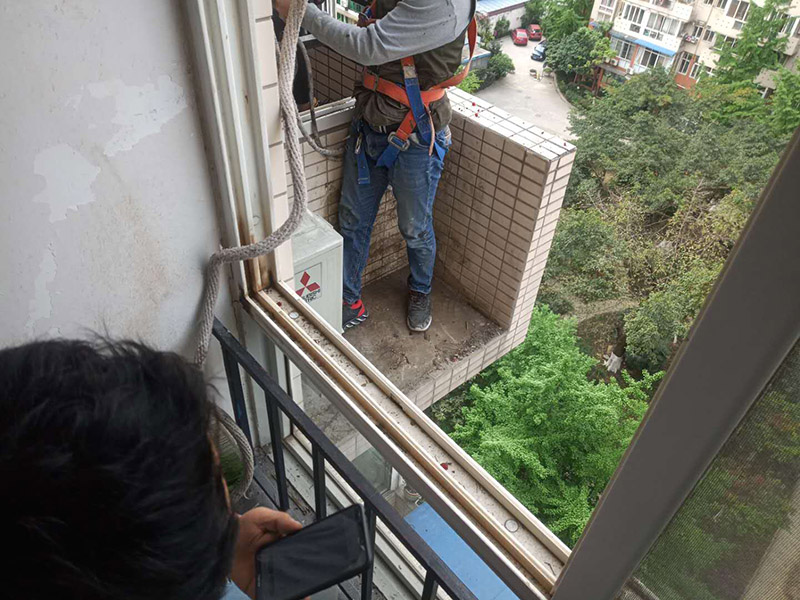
[[471, 83], [500, 65], [501, 27], [554, 300], [586, 257]]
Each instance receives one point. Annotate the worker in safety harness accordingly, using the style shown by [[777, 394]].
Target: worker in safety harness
[[411, 50]]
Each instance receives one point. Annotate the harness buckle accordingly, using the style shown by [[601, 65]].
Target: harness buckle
[[394, 140]]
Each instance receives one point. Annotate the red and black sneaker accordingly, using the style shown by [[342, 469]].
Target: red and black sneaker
[[353, 314]]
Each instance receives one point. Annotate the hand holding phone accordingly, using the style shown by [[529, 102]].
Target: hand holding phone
[[257, 528], [315, 558]]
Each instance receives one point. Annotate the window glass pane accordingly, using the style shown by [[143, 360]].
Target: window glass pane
[[737, 537]]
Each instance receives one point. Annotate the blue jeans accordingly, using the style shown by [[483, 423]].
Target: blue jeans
[[414, 178]]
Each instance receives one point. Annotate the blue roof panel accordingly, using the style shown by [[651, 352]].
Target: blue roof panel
[[490, 6]]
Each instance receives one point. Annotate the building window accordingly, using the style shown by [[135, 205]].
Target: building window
[[698, 32], [607, 5], [788, 24], [633, 13], [738, 10], [694, 72], [657, 25], [709, 71], [708, 36], [722, 4], [725, 40], [685, 62], [708, 1], [623, 49], [650, 59]]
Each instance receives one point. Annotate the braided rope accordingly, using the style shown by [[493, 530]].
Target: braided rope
[[287, 56], [286, 64]]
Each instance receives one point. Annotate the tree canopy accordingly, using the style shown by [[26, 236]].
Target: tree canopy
[[579, 52], [544, 431]]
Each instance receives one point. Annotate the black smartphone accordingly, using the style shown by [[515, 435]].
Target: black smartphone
[[313, 559]]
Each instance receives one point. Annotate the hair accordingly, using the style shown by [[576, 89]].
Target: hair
[[109, 485]]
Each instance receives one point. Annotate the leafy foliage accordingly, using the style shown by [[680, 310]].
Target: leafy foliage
[[758, 45], [580, 52], [653, 328], [471, 83], [586, 256], [534, 10], [501, 27], [547, 433], [667, 179], [785, 103], [562, 19], [500, 65]]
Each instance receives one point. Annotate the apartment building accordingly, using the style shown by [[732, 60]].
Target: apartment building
[[121, 177], [683, 36]]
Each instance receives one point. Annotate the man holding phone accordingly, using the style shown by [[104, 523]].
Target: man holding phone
[[110, 486], [412, 50]]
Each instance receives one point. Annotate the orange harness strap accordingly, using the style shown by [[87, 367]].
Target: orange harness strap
[[398, 92]]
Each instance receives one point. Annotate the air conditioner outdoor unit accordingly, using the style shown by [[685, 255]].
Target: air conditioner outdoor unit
[[614, 62], [317, 253]]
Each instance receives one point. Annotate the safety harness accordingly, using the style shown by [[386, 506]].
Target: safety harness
[[418, 101]]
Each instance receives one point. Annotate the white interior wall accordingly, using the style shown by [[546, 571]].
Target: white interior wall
[[108, 212]]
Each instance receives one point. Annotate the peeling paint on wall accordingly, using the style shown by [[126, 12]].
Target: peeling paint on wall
[[68, 180], [41, 306], [141, 110]]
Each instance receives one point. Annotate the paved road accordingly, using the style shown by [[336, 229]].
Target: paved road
[[528, 98]]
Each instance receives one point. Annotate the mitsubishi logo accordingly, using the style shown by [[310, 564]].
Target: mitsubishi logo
[[308, 288]]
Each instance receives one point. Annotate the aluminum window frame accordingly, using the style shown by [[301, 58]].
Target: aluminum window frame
[[702, 399]]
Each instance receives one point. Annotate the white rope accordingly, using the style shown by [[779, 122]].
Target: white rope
[[286, 64], [287, 55]]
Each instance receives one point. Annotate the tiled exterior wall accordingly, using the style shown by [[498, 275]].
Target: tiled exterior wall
[[334, 75], [495, 214], [495, 217]]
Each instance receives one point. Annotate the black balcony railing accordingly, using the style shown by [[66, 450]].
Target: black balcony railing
[[323, 450]]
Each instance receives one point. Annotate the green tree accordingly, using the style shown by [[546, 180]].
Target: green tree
[[758, 46], [547, 433], [501, 27], [534, 10], [580, 53], [784, 115], [586, 258], [560, 20], [654, 327]]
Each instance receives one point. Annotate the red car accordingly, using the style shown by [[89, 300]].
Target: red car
[[519, 37], [534, 32]]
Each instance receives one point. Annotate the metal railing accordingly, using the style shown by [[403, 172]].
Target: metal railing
[[278, 403]]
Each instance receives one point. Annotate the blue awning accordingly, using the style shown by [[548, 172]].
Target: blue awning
[[644, 43], [656, 47]]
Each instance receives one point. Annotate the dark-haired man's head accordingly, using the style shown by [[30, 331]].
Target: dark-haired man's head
[[109, 487]]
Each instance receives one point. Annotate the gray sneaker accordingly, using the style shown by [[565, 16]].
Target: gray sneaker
[[419, 311]]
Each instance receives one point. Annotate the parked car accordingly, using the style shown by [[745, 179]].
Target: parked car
[[540, 51], [519, 37], [534, 32]]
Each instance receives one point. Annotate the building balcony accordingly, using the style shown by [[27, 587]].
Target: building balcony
[[495, 215], [642, 35], [677, 9]]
